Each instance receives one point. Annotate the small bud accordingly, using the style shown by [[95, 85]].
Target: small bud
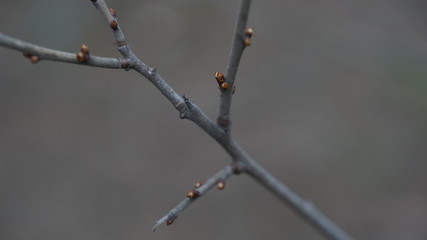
[[26, 54], [234, 89], [192, 194], [113, 12], [249, 32], [224, 85], [85, 49], [247, 42], [198, 184], [34, 59], [113, 24], [220, 185], [81, 57], [169, 221], [219, 77]]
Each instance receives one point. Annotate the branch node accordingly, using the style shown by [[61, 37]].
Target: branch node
[[121, 43], [152, 71], [237, 168], [124, 63]]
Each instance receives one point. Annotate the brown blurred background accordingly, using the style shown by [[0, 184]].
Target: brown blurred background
[[331, 98]]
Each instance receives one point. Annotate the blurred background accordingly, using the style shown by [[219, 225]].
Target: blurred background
[[331, 98]]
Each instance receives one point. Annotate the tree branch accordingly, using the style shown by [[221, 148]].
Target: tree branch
[[240, 41], [200, 189], [42, 53], [187, 109]]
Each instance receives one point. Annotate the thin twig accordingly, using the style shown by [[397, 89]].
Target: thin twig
[[236, 52], [221, 176], [43, 53]]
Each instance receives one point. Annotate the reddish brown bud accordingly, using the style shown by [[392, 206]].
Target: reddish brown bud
[[81, 57], [198, 184], [34, 59], [113, 12], [114, 25], [220, 185], [224, 85], [247, 42], [192, 194], [169, 221], [85, 49], [249, 32], [26, 54], [219, 77]]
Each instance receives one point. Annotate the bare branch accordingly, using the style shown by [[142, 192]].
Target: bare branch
[[187, 109], [43, 53], [304, 208], [238, 45], [201, 188]]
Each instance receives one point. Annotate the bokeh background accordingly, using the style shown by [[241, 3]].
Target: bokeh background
[[331, 98]]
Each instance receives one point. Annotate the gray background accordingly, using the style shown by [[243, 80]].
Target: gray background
[[331, 98]]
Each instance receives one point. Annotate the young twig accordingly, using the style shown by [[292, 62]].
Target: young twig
[[220, 132], [42, 53], [237, 47], [218, 179]]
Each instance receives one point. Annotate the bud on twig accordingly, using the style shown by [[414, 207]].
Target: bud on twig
[[249, 32], [113, 12], [192, 194], [169, 221], [81, 57], [34, 59], [85, 49], [113, 24], [198, 184], [224, 85], [26, 54], [220, 185], [219, 77], [247, 42]]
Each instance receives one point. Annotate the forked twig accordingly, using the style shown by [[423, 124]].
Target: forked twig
[[219, 131], [200, 189]]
